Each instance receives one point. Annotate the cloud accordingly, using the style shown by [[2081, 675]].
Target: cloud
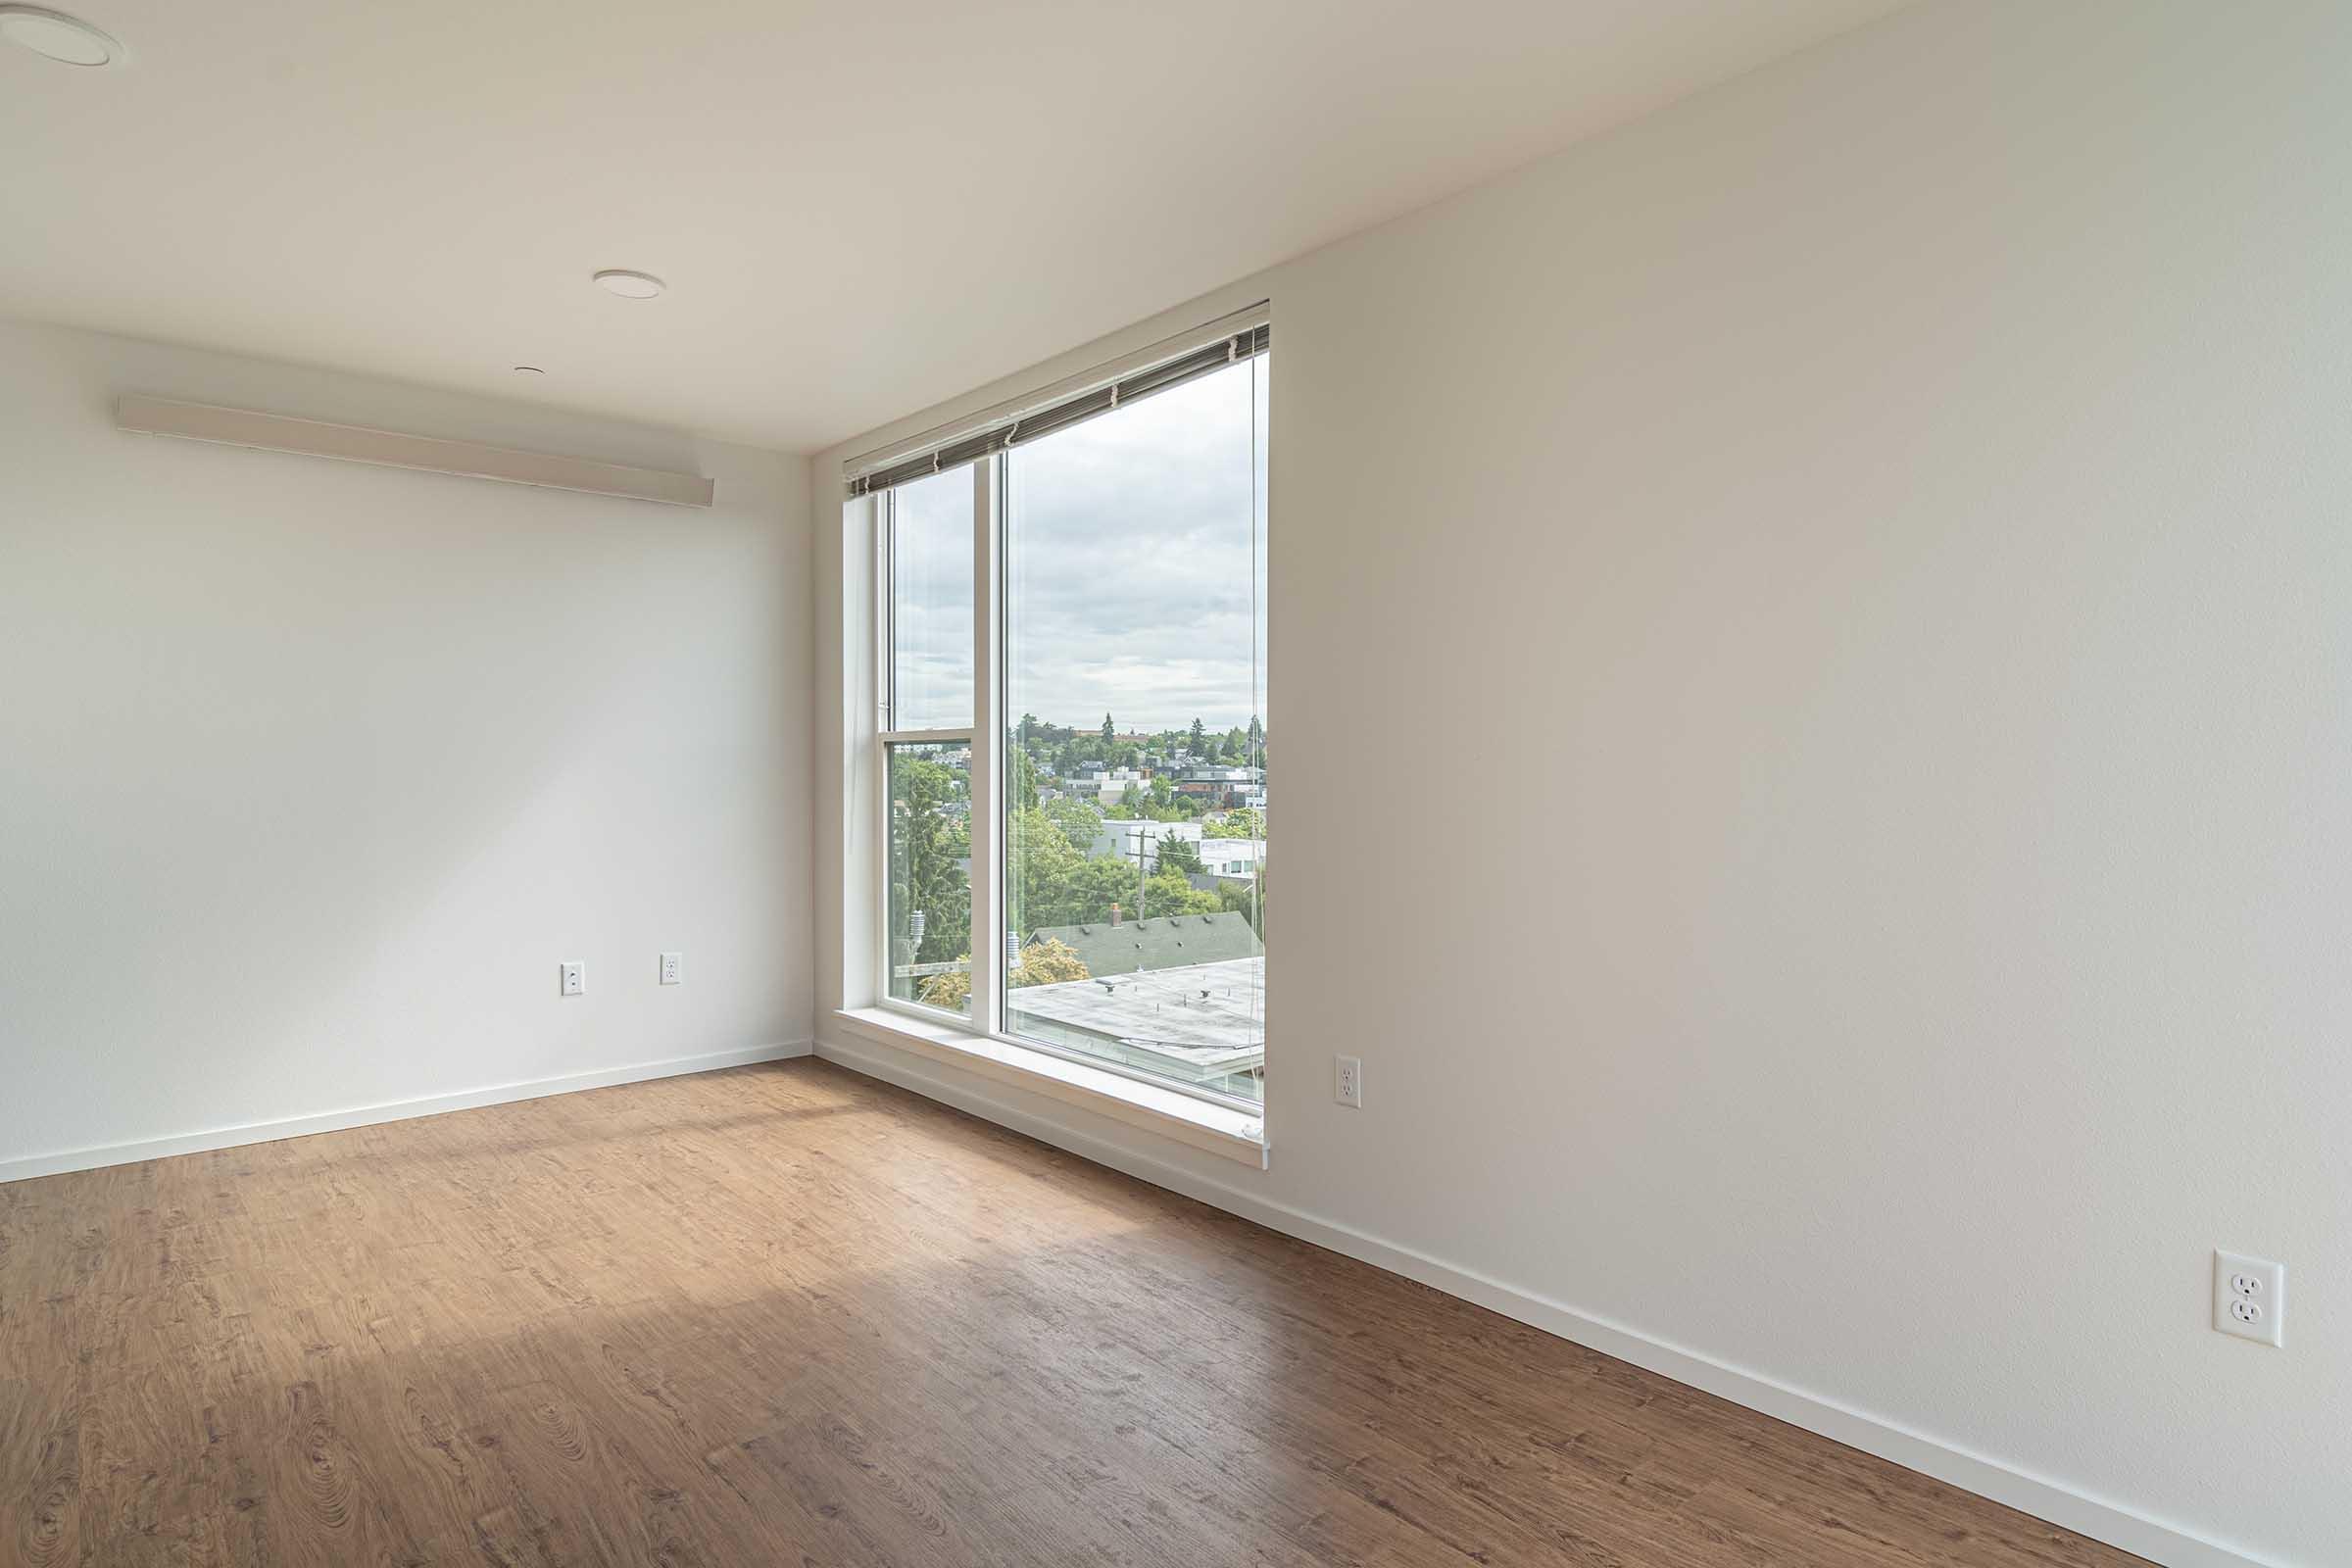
[[1135, 564]]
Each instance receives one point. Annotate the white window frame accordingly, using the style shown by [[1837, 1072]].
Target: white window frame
[[987, 1021]]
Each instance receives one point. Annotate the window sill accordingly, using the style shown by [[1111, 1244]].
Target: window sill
[[1217, 1129]]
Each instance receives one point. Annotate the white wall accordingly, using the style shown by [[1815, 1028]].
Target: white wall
[[1897, 505], [311, 773]]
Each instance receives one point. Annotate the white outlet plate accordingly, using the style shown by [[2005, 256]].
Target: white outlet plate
[[576, 978], [1348, 1080], [672, 963], [2249, 1298]]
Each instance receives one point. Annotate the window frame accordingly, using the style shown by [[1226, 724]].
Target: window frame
[[989, 848]]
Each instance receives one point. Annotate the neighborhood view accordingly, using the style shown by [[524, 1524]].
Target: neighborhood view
[[1134, 832], [1135, 889]]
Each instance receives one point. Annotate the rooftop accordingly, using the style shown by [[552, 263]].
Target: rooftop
[[1162, 942], [1209, 1017]]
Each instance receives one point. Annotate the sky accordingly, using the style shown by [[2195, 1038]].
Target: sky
[[1130, 544]]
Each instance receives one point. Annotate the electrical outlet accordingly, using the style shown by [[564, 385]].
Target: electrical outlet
[[1348, 1080], [576, 977], [2249, 1298], [670, 963]]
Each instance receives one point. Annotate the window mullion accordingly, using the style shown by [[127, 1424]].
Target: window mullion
[[988, 748], [886, 610]]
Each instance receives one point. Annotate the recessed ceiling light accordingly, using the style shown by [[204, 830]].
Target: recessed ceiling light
[[62, 38], [530, 369], [630, 285]]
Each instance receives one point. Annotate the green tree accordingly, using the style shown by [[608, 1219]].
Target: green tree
[[1168, 892], [1043, 863], [1080, 823], [1043, 963], [1181, 855], [1199, 738], [1246, 900], [929, 839], [1249, 823], [1109, 731], [1024, 779], [1089, 891], [1048, 961]]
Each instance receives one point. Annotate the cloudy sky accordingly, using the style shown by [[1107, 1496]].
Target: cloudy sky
[[1130, 547]]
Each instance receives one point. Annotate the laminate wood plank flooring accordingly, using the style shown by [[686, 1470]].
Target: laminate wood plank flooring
[[788, 1315]]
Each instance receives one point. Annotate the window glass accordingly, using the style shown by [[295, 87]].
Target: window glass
[[929, 913], [931, 602], [1135, 795]]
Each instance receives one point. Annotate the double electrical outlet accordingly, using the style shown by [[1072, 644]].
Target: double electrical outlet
[[2249, 1298], [574, 974], [1347, 1081]]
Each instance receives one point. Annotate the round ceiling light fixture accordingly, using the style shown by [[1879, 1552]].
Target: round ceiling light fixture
[[65, 39], [630, 285], [529, 369]]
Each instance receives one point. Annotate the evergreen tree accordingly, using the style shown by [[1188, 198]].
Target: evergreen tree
[[1181, 855]]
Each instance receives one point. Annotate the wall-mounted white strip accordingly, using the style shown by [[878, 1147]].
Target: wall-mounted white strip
[[277, 433]]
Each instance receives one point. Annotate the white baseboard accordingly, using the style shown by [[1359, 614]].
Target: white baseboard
[[2109, 1522], [26, 1167]]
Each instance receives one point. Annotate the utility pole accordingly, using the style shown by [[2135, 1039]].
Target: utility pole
[[1143, 854]]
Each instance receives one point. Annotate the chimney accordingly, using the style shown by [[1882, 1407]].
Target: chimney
[[1114, 915]]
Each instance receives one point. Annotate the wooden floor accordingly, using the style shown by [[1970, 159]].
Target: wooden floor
[[785, 1315]]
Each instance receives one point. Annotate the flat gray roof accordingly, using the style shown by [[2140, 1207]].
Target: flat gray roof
[[1208, 1017]]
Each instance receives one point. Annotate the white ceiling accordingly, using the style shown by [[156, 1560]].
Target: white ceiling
[[860, 208]]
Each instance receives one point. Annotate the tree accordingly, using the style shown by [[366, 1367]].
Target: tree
[[1109, 731], [1024, 779], [1048, 961], [1246, 900], [1168, 892], [1043, 863], [1094, 887], [1044, 962], [1200, 745], [1182, 856], [1080, 823], [1247, 823], [928, 842]]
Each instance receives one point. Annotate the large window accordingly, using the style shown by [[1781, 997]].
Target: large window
[[1084, 596]]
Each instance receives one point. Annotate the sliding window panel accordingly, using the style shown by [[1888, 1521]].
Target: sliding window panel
[[1135, 777], [930, 603], [928, 769]]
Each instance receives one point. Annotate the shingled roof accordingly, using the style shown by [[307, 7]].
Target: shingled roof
[[1158, 943]]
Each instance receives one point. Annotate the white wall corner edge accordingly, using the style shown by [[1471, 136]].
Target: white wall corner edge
[[26, 1167], [2048, 1500], [356, 443]]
